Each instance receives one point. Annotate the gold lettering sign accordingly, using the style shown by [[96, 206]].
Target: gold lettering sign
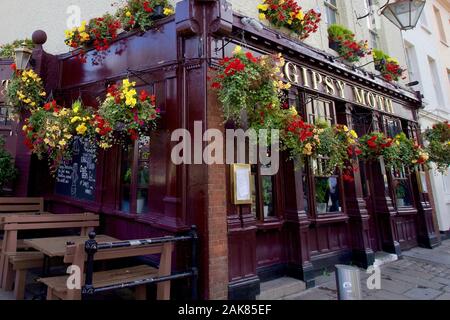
[[304, 77]]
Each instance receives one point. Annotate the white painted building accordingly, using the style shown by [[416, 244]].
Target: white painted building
[[428, 53]]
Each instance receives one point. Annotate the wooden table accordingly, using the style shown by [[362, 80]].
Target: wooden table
[[56, 246]]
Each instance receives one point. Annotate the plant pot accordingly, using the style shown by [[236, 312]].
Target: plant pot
[[140, 205], [266, 211], [334, 45], [400, 203], [158, 13], [321, 207], [378, 66]]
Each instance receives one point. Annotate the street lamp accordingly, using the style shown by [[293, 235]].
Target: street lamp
[[22, 57], [403, 13]]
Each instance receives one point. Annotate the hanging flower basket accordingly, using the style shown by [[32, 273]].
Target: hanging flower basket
[[250, 87], [342, 40], [25, 91], [141, 14], [288, 14], [126, 113], [438, 148], [388, 67]]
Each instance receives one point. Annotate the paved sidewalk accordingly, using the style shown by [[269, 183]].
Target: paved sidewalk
[[422, 274]]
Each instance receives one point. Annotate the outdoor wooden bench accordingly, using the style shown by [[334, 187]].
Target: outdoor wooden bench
[[76, 255], [14, 205], [21, 205], [19, 262]]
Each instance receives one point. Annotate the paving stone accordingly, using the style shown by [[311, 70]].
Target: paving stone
[[386, 295], [396, 286], [445, 296], [422, 294], [414, 280], [442, 280]]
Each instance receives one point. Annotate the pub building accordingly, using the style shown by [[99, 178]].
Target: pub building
[[288, 230]]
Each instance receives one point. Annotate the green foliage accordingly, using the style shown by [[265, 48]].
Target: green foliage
[[141, 13], [25, 90], [339, 32], [7, 50], [438, 148], [251, 87], [347, 47], [7, 170], [321, 187]]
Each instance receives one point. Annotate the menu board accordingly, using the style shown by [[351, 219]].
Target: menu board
[[76, 177]]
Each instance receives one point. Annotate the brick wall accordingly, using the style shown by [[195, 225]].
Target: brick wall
[[217, 219]]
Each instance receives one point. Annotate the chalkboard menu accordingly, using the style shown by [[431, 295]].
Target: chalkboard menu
[[76, 178]]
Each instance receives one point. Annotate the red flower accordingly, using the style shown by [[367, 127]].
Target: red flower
[[143, 96], [216, 85], [13, 67], [133, 134], [147, 7], [27, 142], [250, 57]]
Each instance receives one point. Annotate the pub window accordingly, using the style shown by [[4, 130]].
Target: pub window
[[5, 116], [263, 194], [402, 188], [392, 127], [331, 11], [327, 188], [135, 177]]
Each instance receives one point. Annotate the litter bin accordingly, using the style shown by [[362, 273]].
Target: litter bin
[[348, 282]]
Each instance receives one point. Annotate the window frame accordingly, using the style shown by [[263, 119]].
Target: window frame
[[311, 207], [331, 7]]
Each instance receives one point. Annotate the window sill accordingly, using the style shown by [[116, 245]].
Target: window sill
[[330, 218], [404, 211], [424, 27], [272, 223]]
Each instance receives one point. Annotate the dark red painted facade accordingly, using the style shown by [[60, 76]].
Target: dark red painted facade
[[238, 250]]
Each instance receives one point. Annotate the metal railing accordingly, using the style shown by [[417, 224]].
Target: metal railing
[[91, 247]]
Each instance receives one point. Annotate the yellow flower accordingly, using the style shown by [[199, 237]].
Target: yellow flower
[[69, 34], [97, 130], [33, 104], [42, 94], [104, 145], [168, 11], [84, 36], [81, 129], [289, 21], [280, 2], [307, 150], [293, 111], [300, 15], [67, 136], [237, 50], [76, 108], [62, 143], [128, 14], [394, 60], [75, 119], [345, 128], [353, 134], [262, 16], [263, 7], [47, 141], [25, 128], [82, 28]]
